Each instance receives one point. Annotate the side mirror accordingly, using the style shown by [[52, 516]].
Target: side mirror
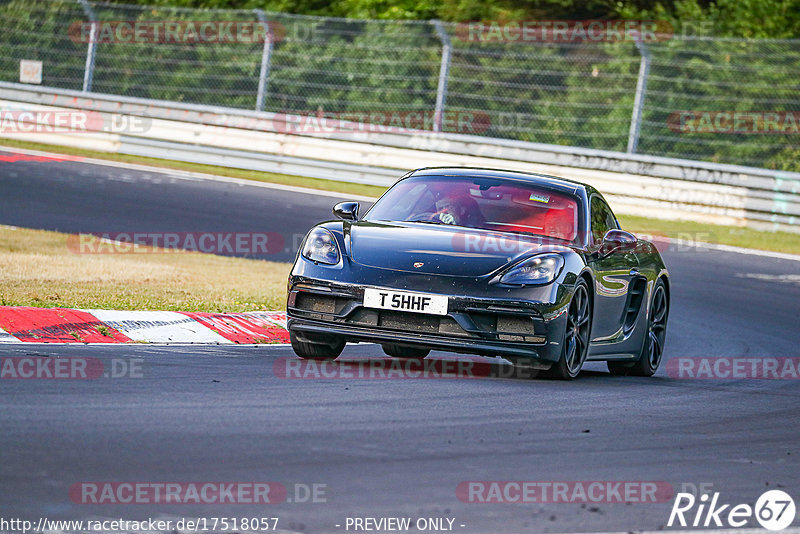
[[618, 239], [346, 210]]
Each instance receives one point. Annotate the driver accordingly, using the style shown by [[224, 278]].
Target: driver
[[461, 210]]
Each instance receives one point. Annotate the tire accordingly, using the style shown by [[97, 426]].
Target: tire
[[323, 349], [653, 345], [575, 345], [409, 353]]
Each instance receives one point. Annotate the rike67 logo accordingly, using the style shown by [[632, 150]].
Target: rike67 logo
[[774, 510]]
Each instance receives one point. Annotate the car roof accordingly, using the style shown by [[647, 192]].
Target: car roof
[[556, 182]]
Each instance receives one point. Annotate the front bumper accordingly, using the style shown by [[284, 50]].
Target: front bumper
[[487, 325]]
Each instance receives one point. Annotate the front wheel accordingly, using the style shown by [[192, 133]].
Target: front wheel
[[409, 353], [575, 346], [653, 346], [322, 348]]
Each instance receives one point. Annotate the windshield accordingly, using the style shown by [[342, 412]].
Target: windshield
[[485, 203]]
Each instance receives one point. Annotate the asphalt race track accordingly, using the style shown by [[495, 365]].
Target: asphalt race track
[[388, 448], [76, 197]]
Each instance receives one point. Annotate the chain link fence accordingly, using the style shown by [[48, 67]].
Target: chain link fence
[[691, 91]]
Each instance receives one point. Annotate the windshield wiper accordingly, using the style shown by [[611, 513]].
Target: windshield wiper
[[431, 222], [442, 223], [521, 232]]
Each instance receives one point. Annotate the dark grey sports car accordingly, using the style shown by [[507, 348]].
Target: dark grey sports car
[[529, 267]]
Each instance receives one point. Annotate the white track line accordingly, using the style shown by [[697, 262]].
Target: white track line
[[5, 337], [158, 326]]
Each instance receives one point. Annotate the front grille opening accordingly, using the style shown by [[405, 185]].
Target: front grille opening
[[313, 302], [510, 324], [407, 322], [516, 328], [504, 324], [415, 322]]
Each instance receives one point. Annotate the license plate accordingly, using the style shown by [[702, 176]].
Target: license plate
[[405, 301]]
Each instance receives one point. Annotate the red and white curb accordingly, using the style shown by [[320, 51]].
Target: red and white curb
[[20, 324]]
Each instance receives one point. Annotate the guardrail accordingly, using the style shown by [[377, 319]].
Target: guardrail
[[634, 184]]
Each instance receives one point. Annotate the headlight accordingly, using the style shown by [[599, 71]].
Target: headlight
[[320, 246], [541, 269]]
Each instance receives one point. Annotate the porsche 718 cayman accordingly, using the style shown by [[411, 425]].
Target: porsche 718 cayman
[[529, 267]]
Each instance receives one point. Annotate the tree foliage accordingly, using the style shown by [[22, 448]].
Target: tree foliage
[[772, 19], [578, 94]]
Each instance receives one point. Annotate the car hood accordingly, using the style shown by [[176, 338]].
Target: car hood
[[441, 250]]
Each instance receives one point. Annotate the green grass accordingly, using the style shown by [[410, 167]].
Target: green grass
[[690, 230], [38, 268], [712, 233]]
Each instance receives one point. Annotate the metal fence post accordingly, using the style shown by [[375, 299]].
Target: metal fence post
[[444, 69], [638, 102], [91, 50], [266, 58]]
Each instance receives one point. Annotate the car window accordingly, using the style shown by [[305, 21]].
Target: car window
[[602, 219], [486, 203]]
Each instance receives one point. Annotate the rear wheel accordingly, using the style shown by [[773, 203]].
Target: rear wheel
[[653, 347], [575, 346], [409, 353], [317, 348]]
